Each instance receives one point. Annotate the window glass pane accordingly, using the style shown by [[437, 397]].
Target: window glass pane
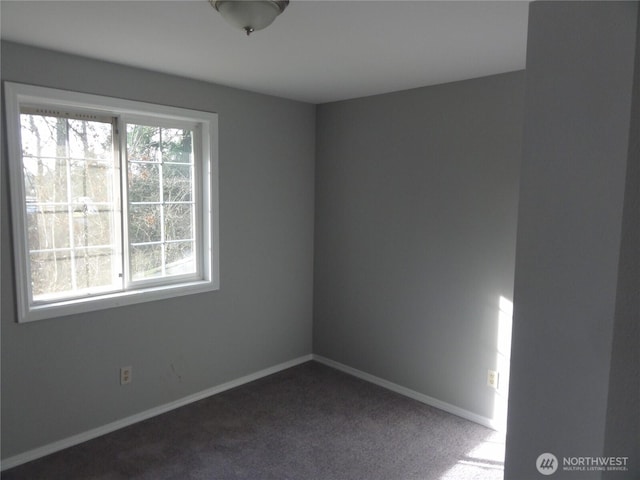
[[69, 204], [177, 145], [43, 136], [145, 224], [47, 227], [177, 182], [180, 258], [143, 143], [144, 182], [161, 201], [89, 140], [146, 261], [178, 221], [51, 273], [45, 180], [93, 228], [94, 267], [92, 183]]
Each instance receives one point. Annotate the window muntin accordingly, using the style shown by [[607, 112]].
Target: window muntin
[[110, 199]]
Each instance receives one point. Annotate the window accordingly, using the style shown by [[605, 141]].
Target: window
[[113, 201]]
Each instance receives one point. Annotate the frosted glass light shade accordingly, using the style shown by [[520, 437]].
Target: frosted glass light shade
[[250, 15]]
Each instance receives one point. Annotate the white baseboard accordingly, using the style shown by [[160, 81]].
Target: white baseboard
[[125, 422], [434, 402]]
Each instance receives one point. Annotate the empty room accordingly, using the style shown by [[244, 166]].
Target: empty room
[[320, 240]]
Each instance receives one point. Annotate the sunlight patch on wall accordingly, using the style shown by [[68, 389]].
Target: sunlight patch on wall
[[503, 361]]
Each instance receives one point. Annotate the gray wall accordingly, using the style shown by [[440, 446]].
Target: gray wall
[[416, 203], [580, 63], [60, 376], [622, 433], [415, 234]]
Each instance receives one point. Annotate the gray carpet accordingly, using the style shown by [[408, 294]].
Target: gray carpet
[[309, 422]]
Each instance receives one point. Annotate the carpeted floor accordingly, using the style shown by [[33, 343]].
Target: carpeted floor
[[310, 422]]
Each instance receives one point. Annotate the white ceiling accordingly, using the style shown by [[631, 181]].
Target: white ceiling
[[316, 51]]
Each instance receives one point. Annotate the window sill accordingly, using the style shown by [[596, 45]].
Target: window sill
[[118, 299]]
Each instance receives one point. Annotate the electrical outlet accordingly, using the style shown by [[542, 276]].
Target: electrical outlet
[[125, 375], [492, 379]]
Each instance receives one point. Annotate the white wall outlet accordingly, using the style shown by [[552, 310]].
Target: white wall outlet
[[125, 375], [492, 379]]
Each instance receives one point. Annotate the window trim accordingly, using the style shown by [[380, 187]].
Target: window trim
[[17, 94]]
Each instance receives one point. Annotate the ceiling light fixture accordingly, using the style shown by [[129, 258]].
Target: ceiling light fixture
[[250, 15]]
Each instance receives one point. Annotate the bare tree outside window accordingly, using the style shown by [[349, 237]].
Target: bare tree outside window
[[113, 202], [68, 170], [161, 201]]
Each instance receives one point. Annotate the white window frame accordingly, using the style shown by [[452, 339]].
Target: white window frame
[[207, 234]]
